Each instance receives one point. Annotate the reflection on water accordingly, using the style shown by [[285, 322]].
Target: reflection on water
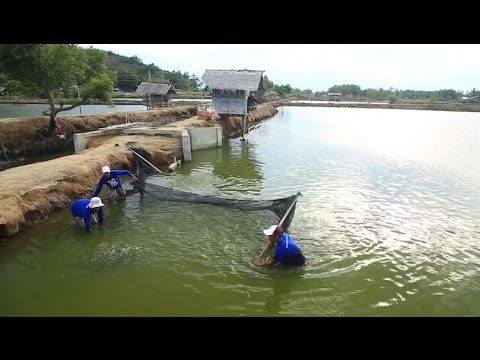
[[283, 283], [388, 221], [228, 171]]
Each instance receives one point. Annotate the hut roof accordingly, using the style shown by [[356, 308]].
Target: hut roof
[[249, 80], [155, 89]]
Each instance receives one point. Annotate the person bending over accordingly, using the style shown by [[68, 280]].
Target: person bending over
[[113, 181], [287, 251], [83, 210]]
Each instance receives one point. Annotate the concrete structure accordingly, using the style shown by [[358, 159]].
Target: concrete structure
[[193, 138], [205, 138]]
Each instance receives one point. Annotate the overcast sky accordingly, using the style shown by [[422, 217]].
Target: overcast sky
[[318, 67]]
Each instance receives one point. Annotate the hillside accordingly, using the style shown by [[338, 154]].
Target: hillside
[[131, 71], [124, 63]]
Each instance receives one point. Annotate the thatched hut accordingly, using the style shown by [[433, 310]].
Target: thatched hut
[[233, 91], [155, 95]]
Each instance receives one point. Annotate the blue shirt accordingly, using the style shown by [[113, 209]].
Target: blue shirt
[[288, 252], [80, 209], [113, 182]]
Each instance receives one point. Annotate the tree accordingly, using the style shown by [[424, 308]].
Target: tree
[[283, 90], [54, 67], [267, 83], [128, 81], [14, 87], [346, 89]]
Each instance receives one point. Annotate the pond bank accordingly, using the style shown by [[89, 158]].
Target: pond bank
[[434, 106], [24, 138]]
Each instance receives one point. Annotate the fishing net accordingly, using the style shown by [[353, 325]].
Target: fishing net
[[279, 207]]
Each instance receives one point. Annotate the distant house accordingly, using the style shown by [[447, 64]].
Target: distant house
[[3, 90], [156, 94], [334, 96], [233, 91], [470, 99], [118, 91]]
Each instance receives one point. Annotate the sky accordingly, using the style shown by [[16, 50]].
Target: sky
[[320, 66]]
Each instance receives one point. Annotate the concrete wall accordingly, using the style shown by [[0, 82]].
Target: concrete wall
[[205, 138], [186, 146], [194, 138]]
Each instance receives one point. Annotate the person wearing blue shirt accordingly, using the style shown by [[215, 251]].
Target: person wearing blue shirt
[[83, 209], [287, 251], [113, 181]]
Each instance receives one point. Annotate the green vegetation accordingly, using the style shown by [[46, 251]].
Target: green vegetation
[[282, 90], [131, 71], [394, 95], [62, 73], [350, 89], [355, 92]]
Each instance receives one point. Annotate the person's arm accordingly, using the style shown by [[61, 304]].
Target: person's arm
[[121, 172], [125, 172], [100, 215], [261, 263], [99, 186], [86, 220]]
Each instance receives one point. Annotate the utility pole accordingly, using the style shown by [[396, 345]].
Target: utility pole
[[149, 88], [161, 82], [78, 97]]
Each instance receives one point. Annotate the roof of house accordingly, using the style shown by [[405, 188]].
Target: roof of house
[[248, 80], [2, 88], [155, 89]]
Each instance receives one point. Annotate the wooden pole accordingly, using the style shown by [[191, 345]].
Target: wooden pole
[[148, 162], [250, 131], [150, 88]]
